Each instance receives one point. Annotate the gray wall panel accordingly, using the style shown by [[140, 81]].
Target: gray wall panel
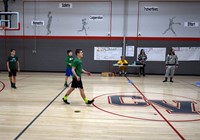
[[51, 53]]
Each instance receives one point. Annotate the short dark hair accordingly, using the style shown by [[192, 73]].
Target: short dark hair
[[12, 50], [78, 51], [68, 51]]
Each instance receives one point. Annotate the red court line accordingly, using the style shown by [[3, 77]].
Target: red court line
[[150, 103], [2, 87]]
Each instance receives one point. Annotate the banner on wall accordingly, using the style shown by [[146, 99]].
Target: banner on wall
[[107, 53], [154, 54], [187, 53], [130, 51]]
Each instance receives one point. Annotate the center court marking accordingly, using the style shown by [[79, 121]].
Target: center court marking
[[140, 118], [39, 114], [150, 103]]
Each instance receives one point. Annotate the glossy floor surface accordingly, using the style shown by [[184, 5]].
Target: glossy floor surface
[[125, 108]]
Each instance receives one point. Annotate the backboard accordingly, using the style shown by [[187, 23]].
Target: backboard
[[10, 20]]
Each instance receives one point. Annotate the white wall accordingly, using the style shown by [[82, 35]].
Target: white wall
[[151, 24]]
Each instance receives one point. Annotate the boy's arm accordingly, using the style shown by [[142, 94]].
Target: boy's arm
[[74, 73], [18, 66], [67, 62], [125, 61], [8, 68], [86, 72], [119, 62]]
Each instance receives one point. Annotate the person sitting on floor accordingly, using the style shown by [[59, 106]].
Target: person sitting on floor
[[122, 68]]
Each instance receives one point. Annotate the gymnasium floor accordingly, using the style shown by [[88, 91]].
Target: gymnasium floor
[[124, 109]]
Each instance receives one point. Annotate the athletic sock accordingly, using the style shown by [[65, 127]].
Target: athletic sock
[[86, 100], [65, 98]]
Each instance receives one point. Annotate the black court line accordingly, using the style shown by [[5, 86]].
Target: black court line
[[150, 103], [39, 114]]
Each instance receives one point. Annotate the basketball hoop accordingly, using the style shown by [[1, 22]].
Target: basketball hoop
[[2, 27]]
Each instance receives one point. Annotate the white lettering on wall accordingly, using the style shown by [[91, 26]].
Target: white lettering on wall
[[96, 17], [37, 22], [151, 9], [191, 24], [65, 5]]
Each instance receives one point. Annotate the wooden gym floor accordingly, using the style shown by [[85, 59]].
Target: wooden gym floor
[[137, 108]]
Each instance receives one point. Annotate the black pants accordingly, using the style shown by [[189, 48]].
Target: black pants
[[142, 69]]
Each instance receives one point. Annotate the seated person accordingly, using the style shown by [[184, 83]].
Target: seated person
[[122, 68]]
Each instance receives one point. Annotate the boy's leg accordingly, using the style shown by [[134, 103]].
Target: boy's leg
[[67, 94], [11, 81], [14, 78], [84, 97], [14, 81], [68, 74], [10, 78], [66, 78], [120, 70]]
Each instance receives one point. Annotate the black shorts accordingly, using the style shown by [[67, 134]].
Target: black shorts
[[12, 73], [77, 84]]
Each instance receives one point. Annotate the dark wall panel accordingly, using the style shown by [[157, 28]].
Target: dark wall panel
[[50, 54]]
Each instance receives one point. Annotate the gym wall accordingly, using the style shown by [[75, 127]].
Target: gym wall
[[43, 47]]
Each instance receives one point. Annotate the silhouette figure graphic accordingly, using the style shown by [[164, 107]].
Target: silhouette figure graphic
[[49, 23], [171, 23], [84, 24]]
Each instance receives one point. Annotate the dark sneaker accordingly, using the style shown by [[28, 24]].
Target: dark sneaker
[[65, 101], [13, 86], [90, 102], [66, 85], [165, 80], [171, 81]]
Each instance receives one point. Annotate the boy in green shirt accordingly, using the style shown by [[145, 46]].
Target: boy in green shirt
[[13, 67], [69, 59], [76, 82]]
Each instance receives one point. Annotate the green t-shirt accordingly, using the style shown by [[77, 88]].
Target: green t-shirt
[[77, 63], [69, 60], [12, 62]]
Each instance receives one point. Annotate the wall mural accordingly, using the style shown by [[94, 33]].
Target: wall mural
[[49, 16], [170, 28]]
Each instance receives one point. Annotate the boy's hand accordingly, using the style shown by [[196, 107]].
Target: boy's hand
[[78, 78], [88, 73]]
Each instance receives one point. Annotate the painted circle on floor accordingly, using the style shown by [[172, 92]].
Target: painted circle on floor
[[132, 105]]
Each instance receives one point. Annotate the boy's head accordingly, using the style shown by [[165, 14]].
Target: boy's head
[[79, 53], [69, 52], [122, 58], [12, 52]]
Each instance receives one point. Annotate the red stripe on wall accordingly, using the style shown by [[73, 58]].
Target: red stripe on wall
[[104, 38]]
